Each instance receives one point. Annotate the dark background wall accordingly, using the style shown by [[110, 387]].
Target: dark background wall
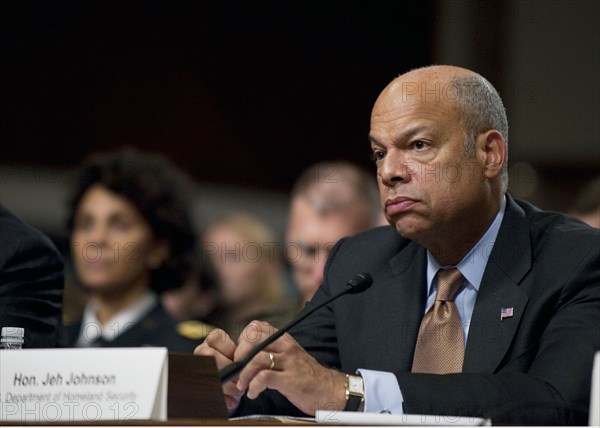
[[244, 95], [236, 92]]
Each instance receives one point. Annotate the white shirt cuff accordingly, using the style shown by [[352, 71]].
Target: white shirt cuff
[[382, 392]]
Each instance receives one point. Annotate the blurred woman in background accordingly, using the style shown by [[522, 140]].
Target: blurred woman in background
[[131, 238], [246, 260]]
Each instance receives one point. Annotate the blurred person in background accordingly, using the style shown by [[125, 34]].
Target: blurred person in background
[[246, 260], [194, 304], [587, 204], [31, 282], [131, 238], [330, 200]]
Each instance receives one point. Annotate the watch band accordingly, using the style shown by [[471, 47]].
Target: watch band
[[352, 403]]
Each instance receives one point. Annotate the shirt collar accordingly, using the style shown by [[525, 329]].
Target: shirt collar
[[91, 329], [473, 264]]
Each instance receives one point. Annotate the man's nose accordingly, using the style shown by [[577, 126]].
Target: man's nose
[[394, 169]]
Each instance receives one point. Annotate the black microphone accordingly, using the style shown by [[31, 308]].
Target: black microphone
[[357, 284]]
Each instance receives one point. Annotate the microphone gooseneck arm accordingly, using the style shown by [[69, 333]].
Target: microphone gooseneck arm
[[357, 284]]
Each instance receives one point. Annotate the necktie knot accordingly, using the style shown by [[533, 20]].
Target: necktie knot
[[449, 282]]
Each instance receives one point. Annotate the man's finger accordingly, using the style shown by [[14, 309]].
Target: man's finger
[[230, 389], [262, 361], [266, 379], [232, 395], [254, 334], [231, 403], [220, 340], [220, 359]]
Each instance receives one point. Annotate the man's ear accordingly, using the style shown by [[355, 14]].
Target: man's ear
[[159, 253], [495, 154]]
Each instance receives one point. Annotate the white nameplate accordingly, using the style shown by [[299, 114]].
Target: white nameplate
[[63, 385]]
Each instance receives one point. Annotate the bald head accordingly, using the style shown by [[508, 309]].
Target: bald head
[[433, 83], [475, 102], [429, 76]]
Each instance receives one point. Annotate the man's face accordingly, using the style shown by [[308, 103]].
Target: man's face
[[428, 187], [311, 235]]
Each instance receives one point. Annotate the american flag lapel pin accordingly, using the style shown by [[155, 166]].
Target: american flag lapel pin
[[506, 313]]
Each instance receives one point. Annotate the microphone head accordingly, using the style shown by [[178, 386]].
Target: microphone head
[[359, 283]]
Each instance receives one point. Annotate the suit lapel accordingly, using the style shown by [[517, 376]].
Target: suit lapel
[[405, 304], [489, 335]]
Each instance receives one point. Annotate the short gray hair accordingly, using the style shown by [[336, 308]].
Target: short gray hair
[[362, 183], [481, 109]]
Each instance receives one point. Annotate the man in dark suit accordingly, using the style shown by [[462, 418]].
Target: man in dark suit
[[31, 282], [481, 305]]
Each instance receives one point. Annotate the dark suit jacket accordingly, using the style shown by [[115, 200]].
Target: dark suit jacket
[[31, 282], [157, 328], [524, 369]]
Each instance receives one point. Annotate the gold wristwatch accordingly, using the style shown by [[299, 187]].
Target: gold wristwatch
[[355, 392]]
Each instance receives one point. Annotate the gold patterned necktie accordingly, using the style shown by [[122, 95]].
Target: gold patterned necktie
[[441, 344]]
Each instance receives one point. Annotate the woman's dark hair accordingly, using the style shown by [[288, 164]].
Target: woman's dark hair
[[160, 192]]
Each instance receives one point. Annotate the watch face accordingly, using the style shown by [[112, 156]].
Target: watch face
[[355, 384]]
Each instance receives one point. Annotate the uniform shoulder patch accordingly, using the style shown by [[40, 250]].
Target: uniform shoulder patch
[[194, 330]]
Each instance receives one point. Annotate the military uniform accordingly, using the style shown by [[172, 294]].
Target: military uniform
[[156, 328]]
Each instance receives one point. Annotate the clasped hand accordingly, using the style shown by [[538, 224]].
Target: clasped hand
[[284, 366]]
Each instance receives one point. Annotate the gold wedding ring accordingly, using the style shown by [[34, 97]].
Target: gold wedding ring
[[272, 357]]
